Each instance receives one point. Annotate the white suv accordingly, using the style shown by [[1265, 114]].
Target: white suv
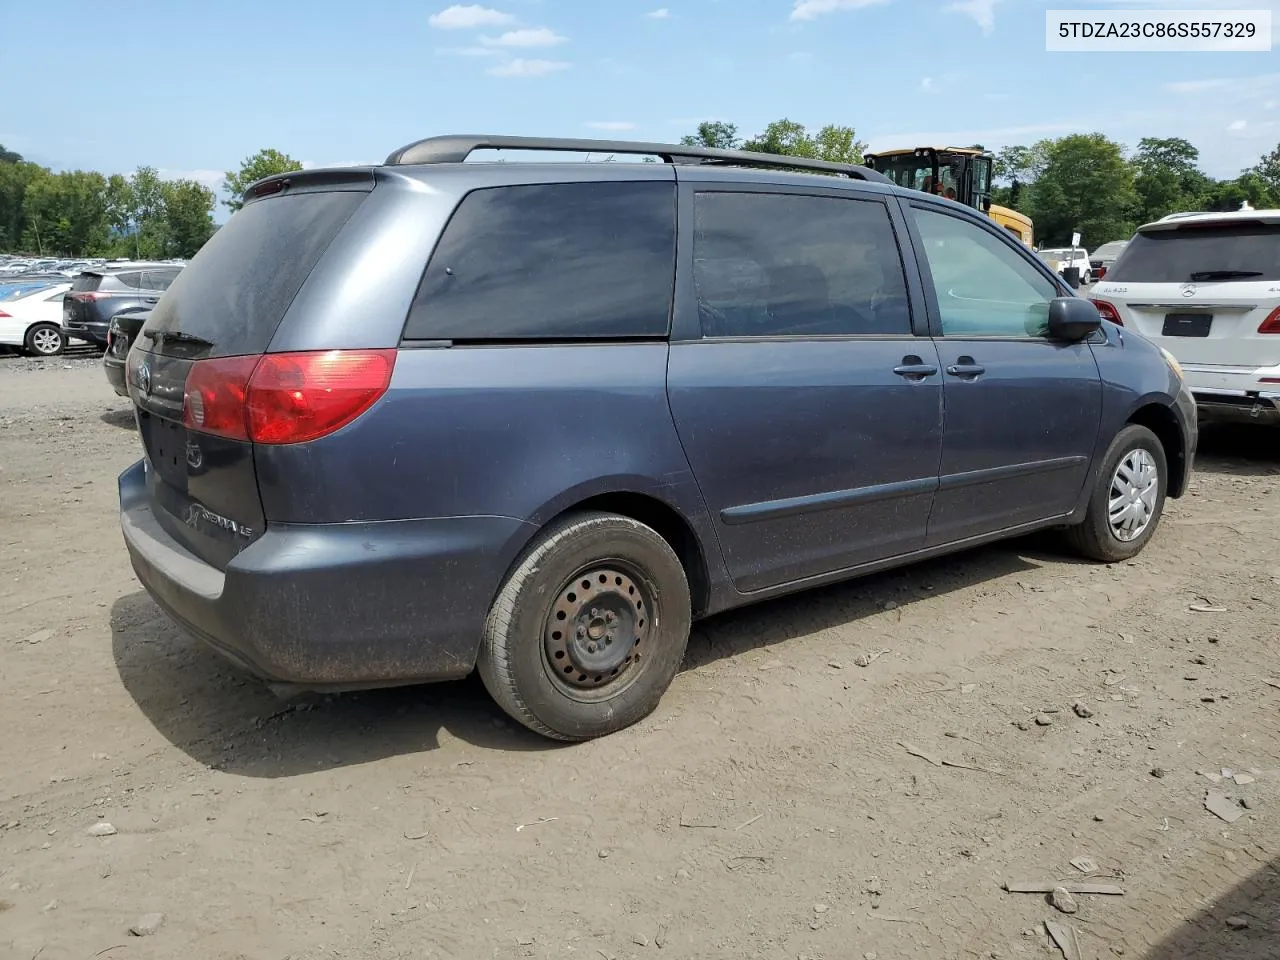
[[1060, 258], [1206, 287]]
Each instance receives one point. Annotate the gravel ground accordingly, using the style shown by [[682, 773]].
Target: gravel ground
[[1028, 710]]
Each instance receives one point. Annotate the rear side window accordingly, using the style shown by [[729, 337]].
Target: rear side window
[[86, 281], [158, 279], [780, 265], [563, 261], [130, 280], [235, 292], [1195, 254]]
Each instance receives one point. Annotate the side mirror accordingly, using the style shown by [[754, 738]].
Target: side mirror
[[1071, 319], [986, 204]]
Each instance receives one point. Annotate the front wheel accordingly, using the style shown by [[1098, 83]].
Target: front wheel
[[589, 629], [45, 340], [1128, 498]]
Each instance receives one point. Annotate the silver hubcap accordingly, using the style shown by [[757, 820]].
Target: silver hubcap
[[46, 341], [1135, 487]]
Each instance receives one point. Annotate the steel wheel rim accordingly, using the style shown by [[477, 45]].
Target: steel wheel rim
[[597, 630], [46, 342], [1131, 502]]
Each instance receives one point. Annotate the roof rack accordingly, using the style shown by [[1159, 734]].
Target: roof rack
[[456, 149]]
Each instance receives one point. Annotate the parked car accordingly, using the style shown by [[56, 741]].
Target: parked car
[[537, 436], [1206, 287], [29, 318], [121, 332], [1062, 258], [100, 293], [1104, 258]]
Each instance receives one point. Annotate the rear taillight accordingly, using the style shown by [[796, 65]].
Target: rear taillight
[[1099, 273], [86, 296], [1272, 323], [284, 397], [1108, 312]]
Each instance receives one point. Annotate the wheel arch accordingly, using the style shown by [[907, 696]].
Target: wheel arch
[[665, 519], [1160, 420]]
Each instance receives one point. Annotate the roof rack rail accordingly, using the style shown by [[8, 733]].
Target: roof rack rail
[[456, 149]]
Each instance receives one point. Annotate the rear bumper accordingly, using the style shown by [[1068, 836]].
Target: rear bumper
[[332, 606], [114, 368], [1235, 393], [92, 331]]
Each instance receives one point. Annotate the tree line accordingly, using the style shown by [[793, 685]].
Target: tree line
[[1083, 182], [79, 213]]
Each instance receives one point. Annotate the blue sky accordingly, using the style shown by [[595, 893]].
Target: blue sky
[[192, 89]]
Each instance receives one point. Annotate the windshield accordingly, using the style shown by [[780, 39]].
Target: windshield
[[907, 170], [1214, 253]]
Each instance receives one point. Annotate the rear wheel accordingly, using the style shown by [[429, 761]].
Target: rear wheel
[[1128, 498], [589, 629], [45, 340]]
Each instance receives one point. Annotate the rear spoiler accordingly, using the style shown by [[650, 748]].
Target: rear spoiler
[[327, 180]]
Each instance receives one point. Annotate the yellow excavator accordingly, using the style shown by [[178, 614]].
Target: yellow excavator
[[962, 174]]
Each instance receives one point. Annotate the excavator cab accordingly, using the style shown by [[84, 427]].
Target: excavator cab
[[962, 174]]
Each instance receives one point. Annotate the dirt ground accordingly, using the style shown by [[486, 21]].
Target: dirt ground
[[781, 803]]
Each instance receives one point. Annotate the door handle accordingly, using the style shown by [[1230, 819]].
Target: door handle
[[915, 369], [966, 369]]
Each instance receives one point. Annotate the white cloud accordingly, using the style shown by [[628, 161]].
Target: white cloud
[[662, 13], [537, 37], [616, 125], [982, 12], [469, 17], [1237, 125], [926, 85], [812, 9], [527, 68]]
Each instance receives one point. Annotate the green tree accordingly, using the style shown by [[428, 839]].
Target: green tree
[[15, 178], [1268, 170], [1249, 187], [66, 213], [8, 156], [1167, 178], [836, 144], [1086, 185], [716, 134], [188, 208], [264, 163]]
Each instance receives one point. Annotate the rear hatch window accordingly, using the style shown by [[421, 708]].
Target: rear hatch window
[[1201, 254], [86, 282], [231, 298]]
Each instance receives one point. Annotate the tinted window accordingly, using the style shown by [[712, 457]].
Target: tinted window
[[1241, 252], [770, 265], [86, 281], [235, 292], [132, 280], [984, 287], [552, 262]]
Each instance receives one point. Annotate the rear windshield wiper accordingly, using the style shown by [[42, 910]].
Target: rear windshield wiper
[[1225, 274], [177, 336]]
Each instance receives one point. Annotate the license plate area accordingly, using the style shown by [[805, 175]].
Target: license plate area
[[1187, 324], [166, 444]]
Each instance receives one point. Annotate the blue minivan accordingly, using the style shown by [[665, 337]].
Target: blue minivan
[[533, 418]]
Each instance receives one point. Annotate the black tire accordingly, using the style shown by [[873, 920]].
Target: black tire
[[1095, 538], [518, 649], [38, 336]]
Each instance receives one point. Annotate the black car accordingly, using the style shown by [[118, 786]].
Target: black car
[[99, 294], [121, 331]]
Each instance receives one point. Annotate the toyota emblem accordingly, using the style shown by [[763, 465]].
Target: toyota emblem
[[144, 378]]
